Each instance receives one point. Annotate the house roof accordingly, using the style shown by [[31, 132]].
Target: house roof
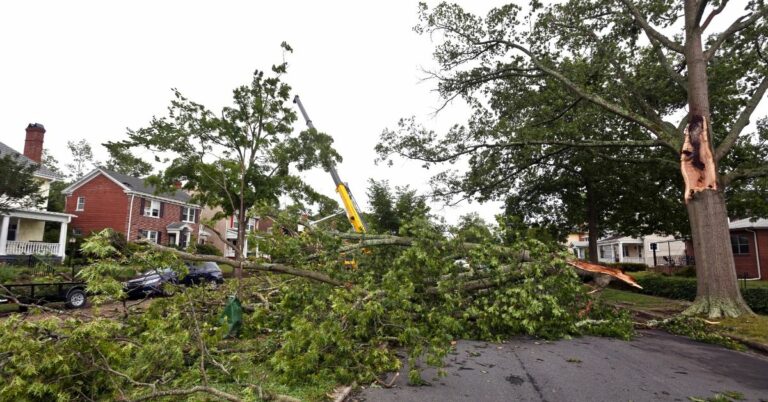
[[41, 171], [131, 185], [177, 226], [618, 238], [749, 223], [137, 185]]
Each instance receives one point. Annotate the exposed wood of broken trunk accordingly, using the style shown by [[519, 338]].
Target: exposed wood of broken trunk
[[717, 289]]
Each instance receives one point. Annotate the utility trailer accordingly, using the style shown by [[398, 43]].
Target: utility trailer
[[71, 293]]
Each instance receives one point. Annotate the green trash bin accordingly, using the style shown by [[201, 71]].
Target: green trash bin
[[232, 316]]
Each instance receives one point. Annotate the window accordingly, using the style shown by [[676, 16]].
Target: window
[[625, 250], [13, 227], [152, 236], [739, 244], [77, 232], [152, 208], [187, 214], [80, 204]]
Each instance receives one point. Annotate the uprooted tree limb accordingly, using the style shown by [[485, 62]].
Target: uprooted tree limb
[[256, 266], [365, 240]]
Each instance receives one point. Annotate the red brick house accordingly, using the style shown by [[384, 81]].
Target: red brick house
[[105, 199], [749, 241]]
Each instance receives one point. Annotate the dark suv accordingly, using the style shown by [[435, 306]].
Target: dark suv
[[203, 272], [162, 281]]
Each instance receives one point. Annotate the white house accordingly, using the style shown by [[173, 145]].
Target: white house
[[22, 228], [618, 248]]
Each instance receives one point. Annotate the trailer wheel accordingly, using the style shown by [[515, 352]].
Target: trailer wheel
[[76, 298]]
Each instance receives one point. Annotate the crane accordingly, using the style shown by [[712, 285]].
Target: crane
[[350, 205]]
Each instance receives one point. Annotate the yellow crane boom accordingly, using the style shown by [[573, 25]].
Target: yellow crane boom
[[353, 211]]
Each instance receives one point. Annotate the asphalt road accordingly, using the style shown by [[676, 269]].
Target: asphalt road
[[653, 367]]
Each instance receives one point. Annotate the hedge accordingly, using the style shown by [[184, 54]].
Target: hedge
[[629, 266], [682, 288]]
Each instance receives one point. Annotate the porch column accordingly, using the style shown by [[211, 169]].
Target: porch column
[[621, 252], [245, 247], [63, 240], [4, 233]]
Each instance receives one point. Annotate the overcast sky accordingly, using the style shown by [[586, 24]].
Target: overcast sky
[[90, 69]]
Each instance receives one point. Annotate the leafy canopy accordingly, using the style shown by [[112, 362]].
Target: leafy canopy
[[18, 186]]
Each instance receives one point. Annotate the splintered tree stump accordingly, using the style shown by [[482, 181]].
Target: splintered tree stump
[[717, 292], [696, 160]]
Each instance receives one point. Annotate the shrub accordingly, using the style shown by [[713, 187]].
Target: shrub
[[757, 298], [684, 288], [629, 266], [671, 287], [208, 249]]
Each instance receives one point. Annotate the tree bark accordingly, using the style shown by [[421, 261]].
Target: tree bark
[[592, 224], [717, 291]]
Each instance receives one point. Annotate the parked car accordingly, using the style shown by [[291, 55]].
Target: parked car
[[163, 281], [203, 273], [153, 282]]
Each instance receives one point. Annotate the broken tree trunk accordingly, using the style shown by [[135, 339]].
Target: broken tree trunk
[[717, 292]]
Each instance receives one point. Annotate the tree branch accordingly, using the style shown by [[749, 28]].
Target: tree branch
[[189, 391], [740, 174], [674, 74], [742, 121], [265, 267], [596, 99], [521, 143], [650, 31], [713, 14], [738, 25]]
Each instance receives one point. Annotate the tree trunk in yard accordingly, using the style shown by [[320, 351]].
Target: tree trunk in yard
[[717, 293], [592, 225]]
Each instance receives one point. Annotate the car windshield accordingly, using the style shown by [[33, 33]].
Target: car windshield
[[205, 267], [157, 271]]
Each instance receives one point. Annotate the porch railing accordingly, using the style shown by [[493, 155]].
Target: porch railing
[[31, 247], [611, 259]]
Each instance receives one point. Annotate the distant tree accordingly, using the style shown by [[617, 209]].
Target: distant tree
[[246, 156], [56, 198], [50, 162], [383, 218], [392, 209], [122, 161], [55, 195], [473, 229], [82, 157], [18, 186]]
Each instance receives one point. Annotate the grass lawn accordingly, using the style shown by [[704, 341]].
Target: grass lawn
[[641, 301], [8, 308], [752, 328]]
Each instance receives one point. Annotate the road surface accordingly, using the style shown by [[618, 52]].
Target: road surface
[[655, 366]]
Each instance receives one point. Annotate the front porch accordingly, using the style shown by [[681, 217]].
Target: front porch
[[21, 234], [619, 249]]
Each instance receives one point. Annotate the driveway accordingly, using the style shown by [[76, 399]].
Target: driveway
[[655, 366]]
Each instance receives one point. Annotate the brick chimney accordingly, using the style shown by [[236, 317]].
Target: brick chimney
[[33, 146]]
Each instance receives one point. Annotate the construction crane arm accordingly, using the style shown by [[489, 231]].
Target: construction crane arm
[[350, 206]]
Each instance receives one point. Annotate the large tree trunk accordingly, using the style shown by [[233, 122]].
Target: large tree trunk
[[717, 291]]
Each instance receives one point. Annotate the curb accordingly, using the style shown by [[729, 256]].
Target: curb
[[756, 347]]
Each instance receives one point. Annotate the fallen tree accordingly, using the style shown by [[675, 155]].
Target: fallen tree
[[311, 324]]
